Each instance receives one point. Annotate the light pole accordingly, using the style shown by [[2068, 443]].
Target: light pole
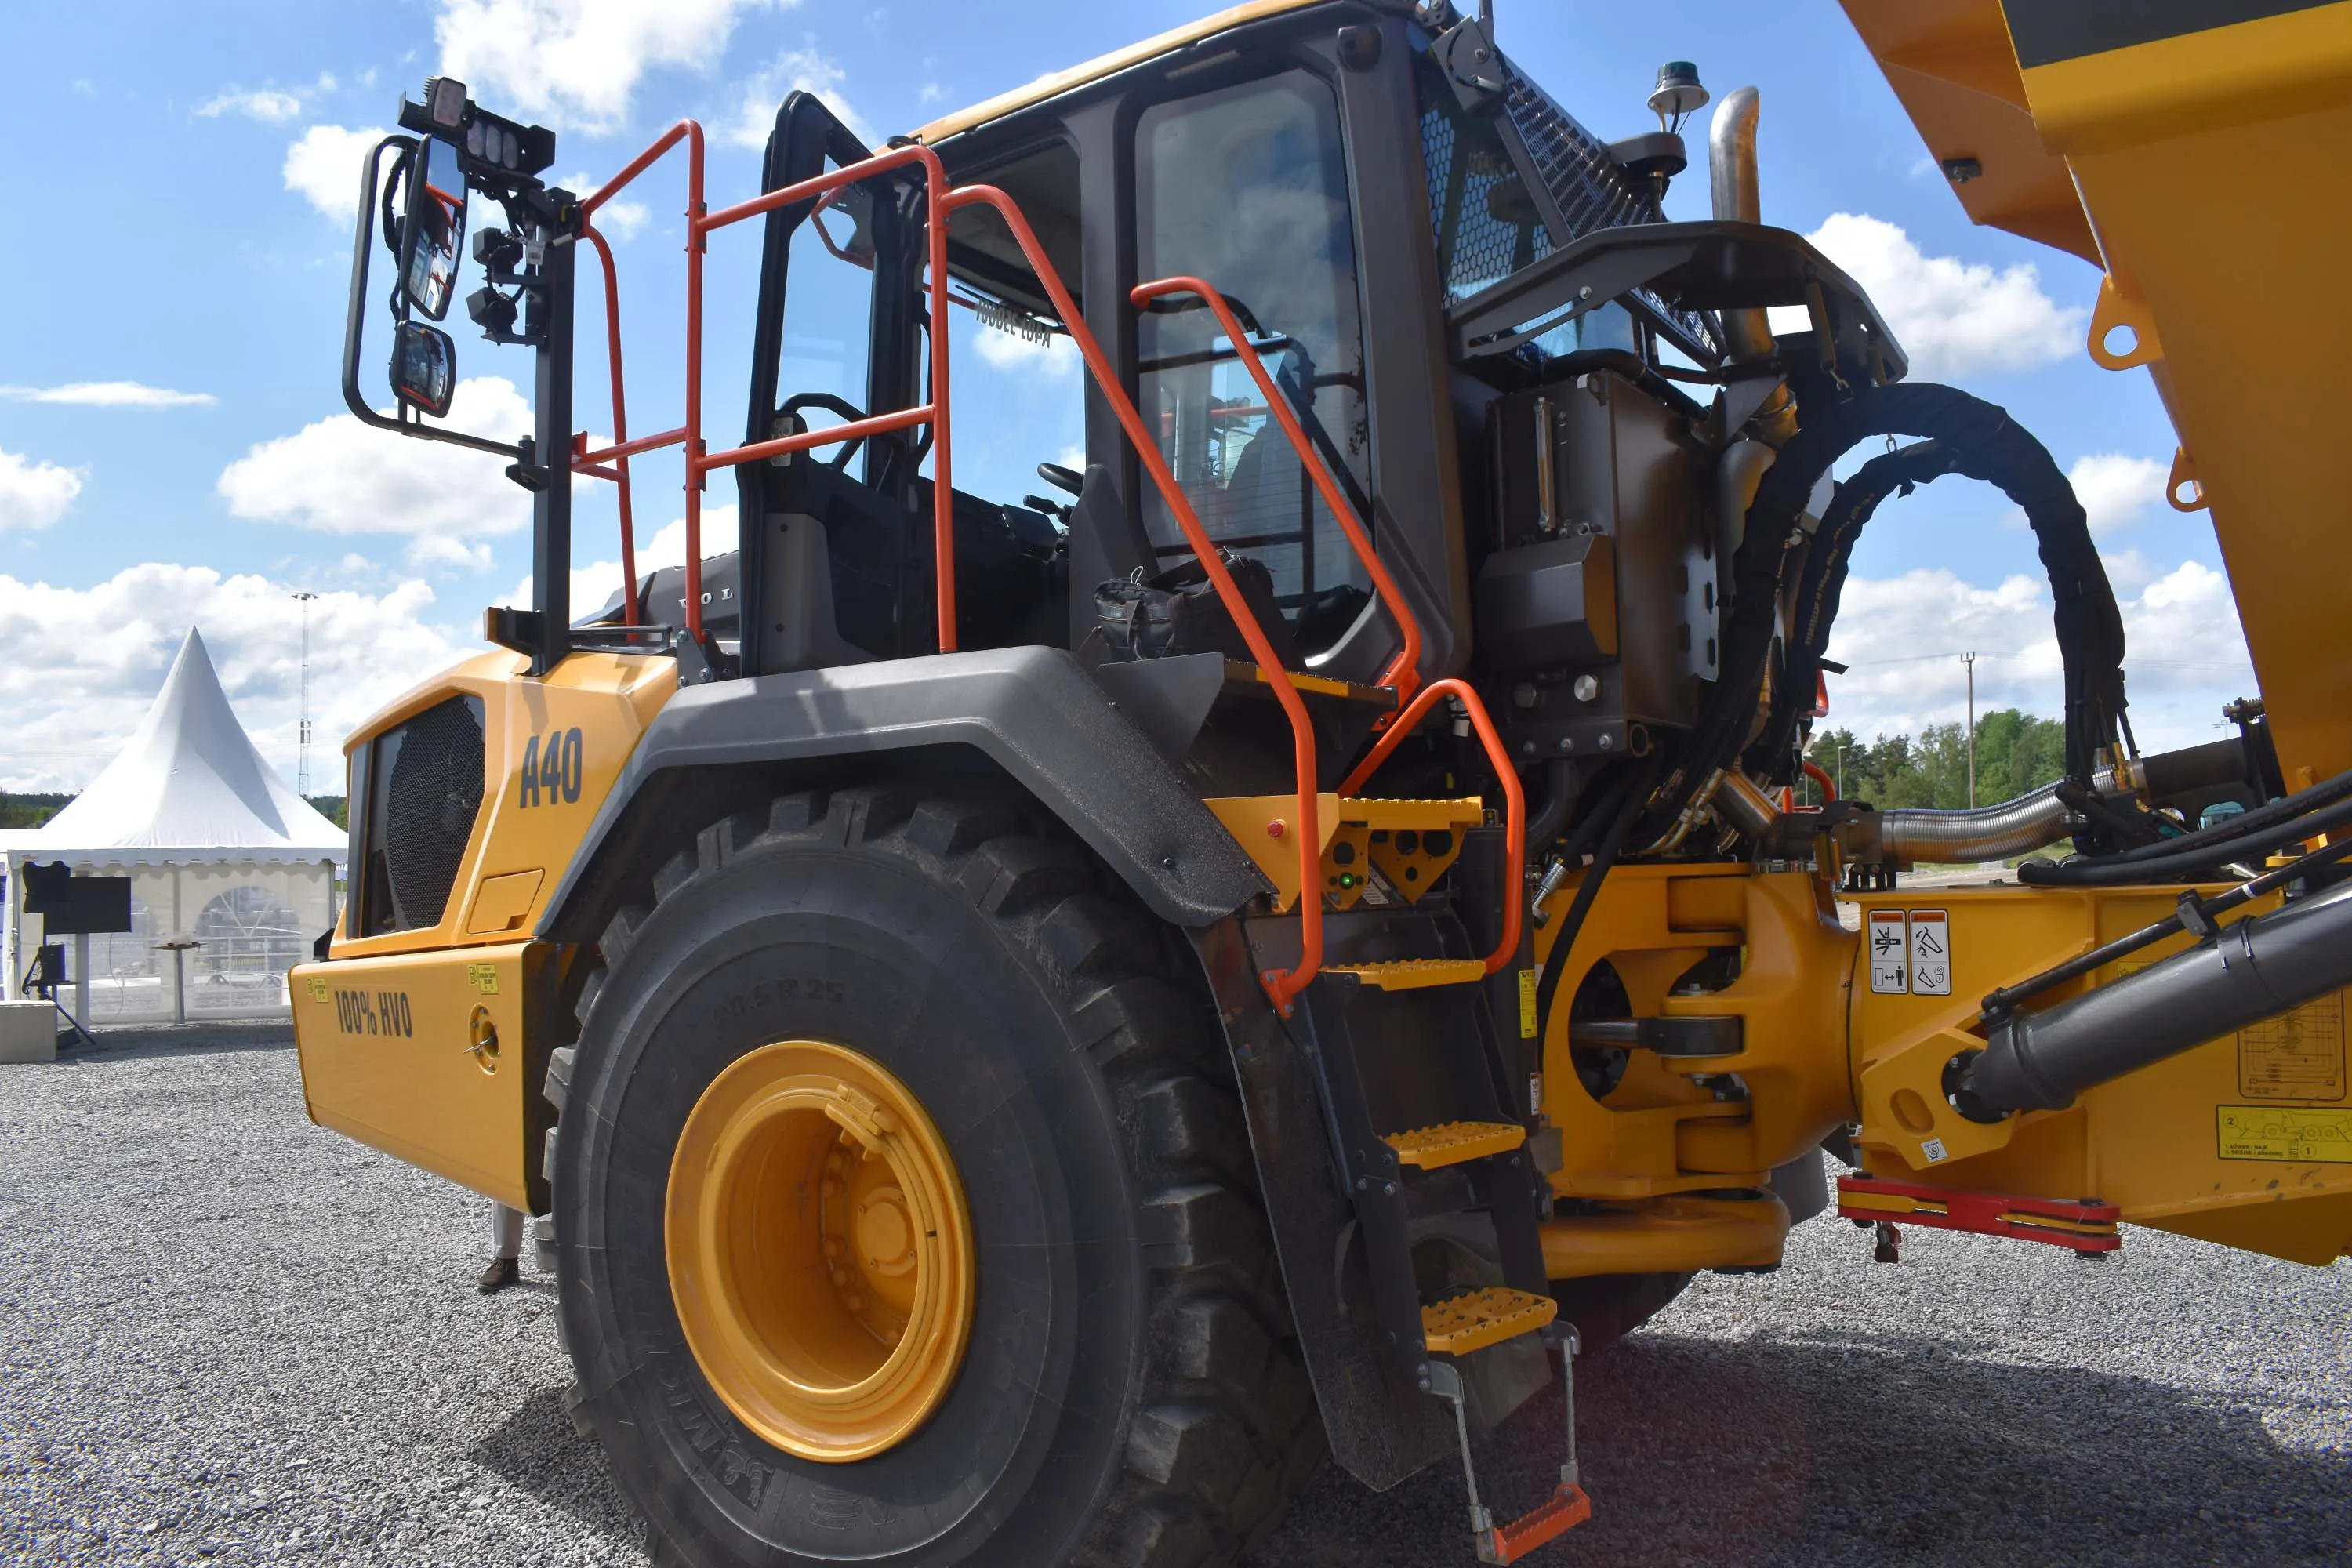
[[1841, 751], [1969, 661], [302, 740]]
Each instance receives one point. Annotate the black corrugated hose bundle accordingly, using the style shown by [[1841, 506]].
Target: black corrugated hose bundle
[[1971, 436]]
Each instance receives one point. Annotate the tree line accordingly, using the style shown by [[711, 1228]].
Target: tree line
[[2016, 753]]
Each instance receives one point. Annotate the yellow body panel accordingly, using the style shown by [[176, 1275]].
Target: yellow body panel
[[1662, 1130], [2161, 1143], [518, 853], [393, 1054], [1678, 1235], [2210, 175], [420, 1093]]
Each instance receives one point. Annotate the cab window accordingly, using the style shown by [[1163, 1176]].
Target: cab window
[[1246, 189]]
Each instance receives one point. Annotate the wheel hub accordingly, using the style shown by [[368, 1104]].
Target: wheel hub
[[820, 1253]]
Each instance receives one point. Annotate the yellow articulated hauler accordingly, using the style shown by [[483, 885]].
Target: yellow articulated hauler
[[1027, 1019]]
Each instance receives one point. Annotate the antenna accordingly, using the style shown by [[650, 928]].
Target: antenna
[[303, 744]]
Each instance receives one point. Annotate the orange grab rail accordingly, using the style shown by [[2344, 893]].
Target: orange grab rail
[[1515, 814], [610, 463], [1404, 672], [700, 459]]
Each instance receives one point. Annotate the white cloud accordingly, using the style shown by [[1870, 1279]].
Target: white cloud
[[620, 219], [1903, 635], [323, 167], [338, 475], [269, 104], [109, 395], [574, 63], [262, 103], [593, 585], [933, 93], [1952, 317], [804, 69], [1059, 356], [35, 494], [2115, 489], [75, 697]]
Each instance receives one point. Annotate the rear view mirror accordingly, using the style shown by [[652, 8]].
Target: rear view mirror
[[434, 233], [424, 368]]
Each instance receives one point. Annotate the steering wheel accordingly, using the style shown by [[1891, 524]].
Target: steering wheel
[[831, 405]]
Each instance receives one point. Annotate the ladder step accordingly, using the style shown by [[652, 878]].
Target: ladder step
[[1567, 1507], [1454, 1143], [1461, 1324], [1413, 973]]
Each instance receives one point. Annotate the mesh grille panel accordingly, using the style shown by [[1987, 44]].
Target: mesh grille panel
[[1592, 192], [432, 769], [1478, 248]]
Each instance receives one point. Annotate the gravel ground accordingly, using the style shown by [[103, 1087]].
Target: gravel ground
[[228, 1336]]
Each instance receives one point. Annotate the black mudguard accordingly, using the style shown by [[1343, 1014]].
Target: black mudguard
[[1033, 711]]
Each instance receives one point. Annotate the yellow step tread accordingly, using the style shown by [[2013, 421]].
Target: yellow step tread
[[1461, 1324], [1413, 973], [1452, 1142]]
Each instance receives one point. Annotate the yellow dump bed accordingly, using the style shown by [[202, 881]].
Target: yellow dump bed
[[2200, 151]]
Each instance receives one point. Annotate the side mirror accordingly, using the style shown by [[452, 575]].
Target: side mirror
[[434, 235], [424, 368]]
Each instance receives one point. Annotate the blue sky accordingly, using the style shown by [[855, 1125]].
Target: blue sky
[[195, 165]]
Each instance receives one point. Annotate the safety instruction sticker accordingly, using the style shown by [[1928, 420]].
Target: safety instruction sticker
[[1527, 1003], [1890, 954], [1931, 953], [2296, 1056], [2317, 1135]]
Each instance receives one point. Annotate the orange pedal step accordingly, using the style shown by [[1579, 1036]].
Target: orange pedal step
[[1460, 1325], [1413, 973], [1566, 1509], [1454, 1143]]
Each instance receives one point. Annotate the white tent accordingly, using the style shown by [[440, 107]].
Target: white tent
[[232, 873]]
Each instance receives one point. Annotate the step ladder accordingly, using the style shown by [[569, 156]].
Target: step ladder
[[1477, 1158]]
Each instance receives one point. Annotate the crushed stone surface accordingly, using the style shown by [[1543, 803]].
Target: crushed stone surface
[[228, 1336]]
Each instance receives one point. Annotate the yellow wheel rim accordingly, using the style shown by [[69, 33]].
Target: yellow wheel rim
[[820, 1253]]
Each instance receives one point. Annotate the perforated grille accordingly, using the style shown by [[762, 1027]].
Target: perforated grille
[[431, 775], [1591, 191], [1470, 175]]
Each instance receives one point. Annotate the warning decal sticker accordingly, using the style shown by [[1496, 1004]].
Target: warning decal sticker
[[1931, 953], [1890, 956], [2298, 1056], [2304, 1134]]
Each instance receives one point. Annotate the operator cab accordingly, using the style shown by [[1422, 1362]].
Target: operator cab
[[1327, 173]]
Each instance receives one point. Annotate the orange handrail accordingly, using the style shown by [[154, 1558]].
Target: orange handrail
[[1403, 671], [700, 459], [618, 458], [1280, 986], [1515, 814]]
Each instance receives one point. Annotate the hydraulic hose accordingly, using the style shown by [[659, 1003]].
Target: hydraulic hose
[[1612, 819], [1982, 443], [2226, 836], [1772, 757], [2181, 860], [2253, 970], [1545, 821]]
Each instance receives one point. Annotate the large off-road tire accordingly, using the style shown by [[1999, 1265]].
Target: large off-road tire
[[1128, 1395], [1607, 1307]]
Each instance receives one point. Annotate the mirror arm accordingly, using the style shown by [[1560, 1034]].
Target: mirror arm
[[355, 324]]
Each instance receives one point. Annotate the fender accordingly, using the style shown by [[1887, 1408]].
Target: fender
[[1033, 711]]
